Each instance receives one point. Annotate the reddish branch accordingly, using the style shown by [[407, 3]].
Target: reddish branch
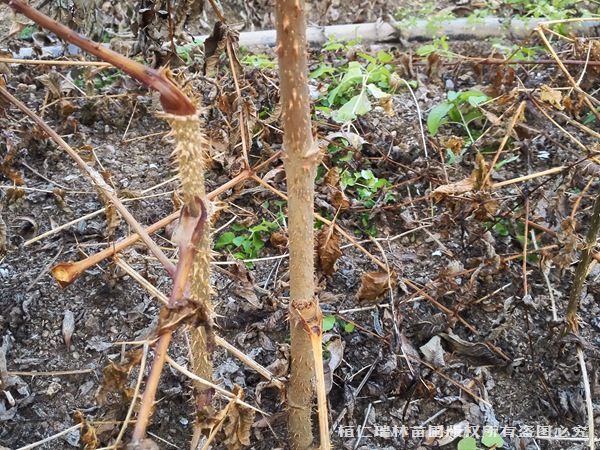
[[172, 99]]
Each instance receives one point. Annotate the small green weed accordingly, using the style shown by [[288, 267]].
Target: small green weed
[[101, 80], [188, 51], [359, 81], [425, 11], [548, 9], [260, 61], [106, 78], [366, 186], [329, 321], [516, 52], [515, 230], [439, 46], [27, 32], [244, 242], [460, 109], [334, 45], [369, 190], [489, 440]]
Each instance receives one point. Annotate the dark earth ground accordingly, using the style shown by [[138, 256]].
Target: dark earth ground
[[426, 243]]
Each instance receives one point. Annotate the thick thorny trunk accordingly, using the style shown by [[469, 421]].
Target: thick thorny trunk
[[301, 160]]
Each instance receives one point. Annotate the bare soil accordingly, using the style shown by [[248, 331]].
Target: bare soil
[[500, 358]]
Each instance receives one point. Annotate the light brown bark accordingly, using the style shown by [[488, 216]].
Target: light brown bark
[[300, 160]]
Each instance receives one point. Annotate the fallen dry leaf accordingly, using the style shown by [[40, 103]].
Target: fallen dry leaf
[[375, 285], [245, 279], [238, 423], [386, 103], [234, 421], [458, 188], [328, 249], [87, 432], [567, 239], [332, 177], [454, 144], [433, 352], [338, 199], [279, 241], [216, 44], [335, 347], [115, 377], [478, 353], [59, 198], [551, 96]]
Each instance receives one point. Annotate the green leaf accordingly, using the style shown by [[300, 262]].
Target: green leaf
[[506, 161], [247, 246], [438, 116], [426, 50], [224, 240], [367, 57], [384, 57], [451, 157], [353, 75], [453, 95], [347, 157], [238, 240], [501, 229], [590, 118], [328, 322], [324, 109], [467, 443], [492, 439], [349, 327], [347, 180], [375, 91], [472, 115], [367, 174], [320, 71], [356, 106], [257, 242], [258, 228], [476, 98]]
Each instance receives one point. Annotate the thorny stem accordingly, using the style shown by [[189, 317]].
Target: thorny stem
[[582, 269], [301, 157], [192, 232], [172, 99]]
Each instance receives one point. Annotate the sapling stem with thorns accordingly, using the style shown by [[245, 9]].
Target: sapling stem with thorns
[[301, 158], [188, 301], [582, 269]]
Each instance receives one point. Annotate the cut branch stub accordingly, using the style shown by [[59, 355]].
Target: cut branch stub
[[310, 316], [172, 99]]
